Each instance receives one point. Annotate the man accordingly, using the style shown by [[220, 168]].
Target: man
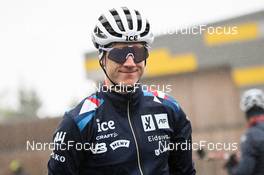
[[252, 146], [122, 129]]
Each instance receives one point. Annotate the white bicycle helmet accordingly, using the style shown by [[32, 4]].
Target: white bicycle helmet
[[121, 25], [250, 98]]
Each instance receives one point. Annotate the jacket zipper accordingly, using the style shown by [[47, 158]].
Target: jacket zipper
[[135, 139]]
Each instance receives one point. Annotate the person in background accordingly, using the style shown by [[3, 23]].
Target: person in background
[[251, 161], [16, 168]]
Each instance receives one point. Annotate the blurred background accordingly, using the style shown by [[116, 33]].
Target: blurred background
[[48, 64]]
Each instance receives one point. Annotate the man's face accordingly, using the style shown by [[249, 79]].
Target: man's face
[[127, 73]]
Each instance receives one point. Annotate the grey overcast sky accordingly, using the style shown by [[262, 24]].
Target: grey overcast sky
[[42, 42]]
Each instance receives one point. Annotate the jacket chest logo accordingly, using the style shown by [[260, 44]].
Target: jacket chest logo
[[161, 121], [105, 126]]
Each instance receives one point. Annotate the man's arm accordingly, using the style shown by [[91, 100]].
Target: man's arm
[[65, 159], [247, 162]]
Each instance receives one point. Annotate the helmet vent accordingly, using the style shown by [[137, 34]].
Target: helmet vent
[[139, 20], [129, 18], [146, 31], [117, 19], [113, 12], [99, 33], [110, 30], [108, 27]]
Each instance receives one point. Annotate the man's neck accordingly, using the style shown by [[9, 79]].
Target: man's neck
[[120, 88], [255, 119]]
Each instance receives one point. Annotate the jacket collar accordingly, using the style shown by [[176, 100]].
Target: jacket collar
[[121, 100], [255, 120]]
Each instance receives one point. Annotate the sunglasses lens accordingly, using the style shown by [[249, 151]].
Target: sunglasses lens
[[140, 54], [119, 55]]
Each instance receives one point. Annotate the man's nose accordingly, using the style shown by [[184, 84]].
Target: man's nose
[[129, 61]]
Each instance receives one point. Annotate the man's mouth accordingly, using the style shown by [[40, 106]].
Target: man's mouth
[[128, 72]]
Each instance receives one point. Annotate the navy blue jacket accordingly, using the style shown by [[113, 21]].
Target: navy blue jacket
[[123, 134], [252, 152]]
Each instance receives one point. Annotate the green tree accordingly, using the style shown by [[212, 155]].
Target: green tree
[[29, 103], [28, 106]]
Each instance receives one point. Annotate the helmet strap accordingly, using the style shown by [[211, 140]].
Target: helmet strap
[[103, 67]]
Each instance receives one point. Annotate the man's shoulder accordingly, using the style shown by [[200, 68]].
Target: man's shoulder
[[87, 104], [84, 111], [161, 98], [255, 132]]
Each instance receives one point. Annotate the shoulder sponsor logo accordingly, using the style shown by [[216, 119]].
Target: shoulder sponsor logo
[[148, 123], [119, 143], [104, 126], [162, 121], [59, 137], [58, 157], [99, 148]]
